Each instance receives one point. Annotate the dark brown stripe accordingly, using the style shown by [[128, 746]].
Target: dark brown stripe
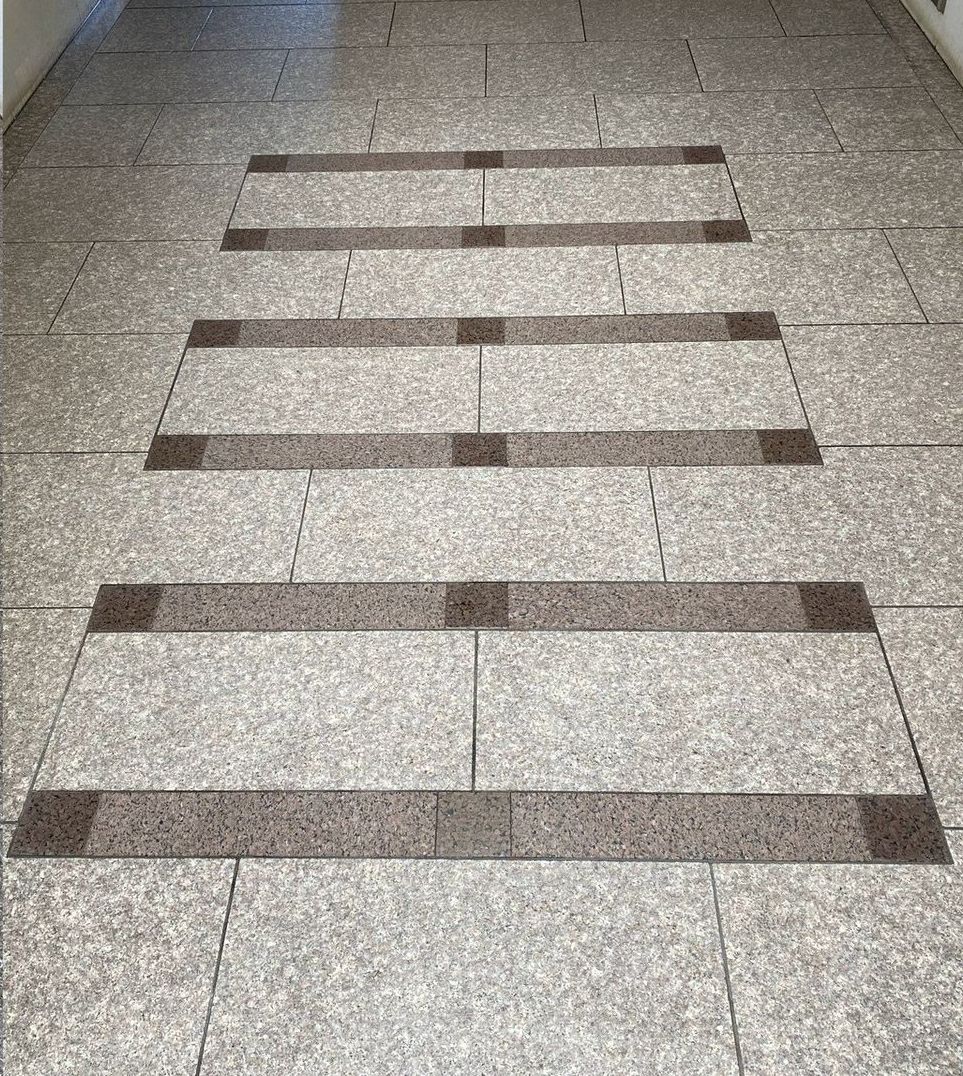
[[523, 825], [351, 451], [442, 332], [515, 158], [725, 231], [516, 606]]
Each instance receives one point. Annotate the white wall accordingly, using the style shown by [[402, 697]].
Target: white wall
[[35, 32], [945, 31]]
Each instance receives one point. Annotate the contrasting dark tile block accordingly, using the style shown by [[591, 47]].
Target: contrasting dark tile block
[[474, 825], [479, 450], [476, 605]]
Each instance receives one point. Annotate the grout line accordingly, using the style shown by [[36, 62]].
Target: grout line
[[479, 386], [53, 321], [822, 108], [170, 391], [618, 266], [474, 715], [581, 15], [374, 120], [304, 511], [658, 534], [772, 8], [486, 69], [391, 24], [598, 122], [200, 29], [909, 284], [143, 145], [217, 965], [799, 395], [725, 969], [344, 286], [484, 173], [277, 84], [695, 67]]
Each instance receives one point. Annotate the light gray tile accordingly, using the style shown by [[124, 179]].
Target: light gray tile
[[438, 71], [479, 523], [91, 136], [442, 964], [73, 522], [325, 390], [173, 76], [801, 63], [852, 190], [163, 287], [36, 279], [925, 649], [319, 710], [232, 133], [697, 386], [891, 119], [647, 19], [164, 30], [486, 123], [818, 277], [933, 261], [482, 283], [109, 965], [451, 22], [39, 648], [810, 17], [844, 969], [875, 385], [49, 204], [85, 393], [306, 26], [596, 67], [950, 102], [740, 122], [360, 199], [889, 517], [552, 195], [689, 712]]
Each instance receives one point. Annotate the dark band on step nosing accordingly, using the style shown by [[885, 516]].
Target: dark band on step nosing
[[355, 451], [511, 606], [518, 331], [488, 236], [494, 158], [483, 824]]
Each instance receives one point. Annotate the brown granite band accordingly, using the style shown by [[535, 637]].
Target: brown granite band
[[700, 827], [511, 606]]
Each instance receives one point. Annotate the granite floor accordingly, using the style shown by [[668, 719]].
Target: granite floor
[[483, 532]]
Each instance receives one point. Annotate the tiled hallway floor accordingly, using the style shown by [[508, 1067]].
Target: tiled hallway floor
[[483, 510]]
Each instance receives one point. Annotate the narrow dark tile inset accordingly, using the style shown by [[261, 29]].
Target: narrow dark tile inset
[[703, 155], [476, 605], [215, 334], [126, 607], [479, 450], [837, 606], [726, 231], [55, 823], [249, 239], [782, 447], [896, 827], [176, 452], [481, 330], [752, 325], [473, 825]]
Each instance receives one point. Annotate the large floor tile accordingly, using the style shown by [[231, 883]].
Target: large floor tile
[[164, 30], [889, 517], [486, 123], [232, 133], [469, 523], [805, 18], [933, 260], [852, 190], [173, 76], [325, 390], [801, 63], [109, 965], [36, 279], [482, 283], [547, 967], [85, 393], [690, 712], [48, 204], [320, 710], [75, 521], [305, 26], [871, 385], [902, 118], [805, 277], [699, 386], [596, 67], [39, 648], [646, 19], [92, 136], [845, 969], [426, 71], [925, 649], [740, 122], [163, 287], [360, 199], [451, 22]]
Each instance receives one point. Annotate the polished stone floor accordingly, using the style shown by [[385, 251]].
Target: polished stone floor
[[483, 542]]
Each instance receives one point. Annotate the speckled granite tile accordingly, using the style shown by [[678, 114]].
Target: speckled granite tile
[[75, 521], [806, 18], [807, 277], [85, 393], [925, 649], [903, 118], [93, 136], [673, 712], [870, 384], [36, 279], [933, 261], [950, 103], [163, 287], [473, 825], [39, 648], [647, 19], [308, 26], [890, 517], [318, 711], [843, 969], [478, 524], [519, 963], [165, 30], [94, 949], [442, 22]]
